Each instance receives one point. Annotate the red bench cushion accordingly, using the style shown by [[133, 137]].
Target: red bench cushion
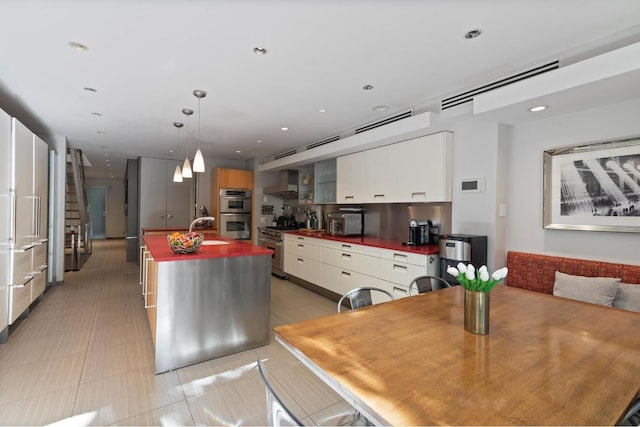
[[537, 272]]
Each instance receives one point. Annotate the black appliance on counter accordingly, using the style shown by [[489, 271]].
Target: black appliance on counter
[[423, 233], [465, 248]]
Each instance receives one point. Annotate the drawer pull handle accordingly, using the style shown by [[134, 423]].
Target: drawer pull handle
[[399, 267], [401, 256], [300, 260], [345, 274], [399, 291], [378, 195], [300, 238], [420, 193], [300, 246], [346, 246], [346, 256], [348, 197]]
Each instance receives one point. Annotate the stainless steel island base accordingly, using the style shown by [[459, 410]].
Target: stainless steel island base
[[208, 308]]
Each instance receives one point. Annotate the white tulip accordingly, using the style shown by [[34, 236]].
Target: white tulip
[[497, 275], [484, 274], [462, 268], [471, 267], [453, 271], [471, 275]]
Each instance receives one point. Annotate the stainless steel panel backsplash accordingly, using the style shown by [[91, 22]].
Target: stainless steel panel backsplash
[[391, 220]]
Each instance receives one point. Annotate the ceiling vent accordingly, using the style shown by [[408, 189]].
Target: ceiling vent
[[323, 142], [468, 95], [386, 121], [285, 154]]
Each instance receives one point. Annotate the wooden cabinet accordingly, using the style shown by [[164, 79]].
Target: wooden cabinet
[[418, 170], [228, 178], [231, 178]]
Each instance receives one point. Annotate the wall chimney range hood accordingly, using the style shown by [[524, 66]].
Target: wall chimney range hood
[[287, 187]]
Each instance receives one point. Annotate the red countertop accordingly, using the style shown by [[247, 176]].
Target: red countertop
[[377, 242], [159, 247]]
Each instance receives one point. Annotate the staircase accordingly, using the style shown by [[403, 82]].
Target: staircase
[[77, 227]]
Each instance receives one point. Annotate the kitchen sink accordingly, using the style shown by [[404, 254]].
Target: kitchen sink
[[214, 242]]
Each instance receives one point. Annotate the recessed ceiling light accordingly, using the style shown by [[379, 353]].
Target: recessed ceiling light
[[538, 108], [322, 110], [238, 151], [170, 151], [78, 46], [367, 87], [472, 34], [380, 108], [259, 51], [284, 128], [89, 89], [259, 141], [106, 154]]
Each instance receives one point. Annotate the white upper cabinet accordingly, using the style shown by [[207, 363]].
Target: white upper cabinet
[[380, 174], [417, 170], [349, 184], [426, 171]]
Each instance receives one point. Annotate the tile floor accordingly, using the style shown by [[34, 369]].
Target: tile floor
[[84, 357]]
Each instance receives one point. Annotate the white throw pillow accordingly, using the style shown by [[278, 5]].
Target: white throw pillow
[[596, 290], [628, 297]]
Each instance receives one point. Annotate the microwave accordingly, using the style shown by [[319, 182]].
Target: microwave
[[345, 224]]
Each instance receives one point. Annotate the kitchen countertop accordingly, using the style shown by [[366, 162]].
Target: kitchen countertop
[[160, 250], [377, 242]]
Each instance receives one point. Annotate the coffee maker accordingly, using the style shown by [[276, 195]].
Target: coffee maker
[[419, 232]]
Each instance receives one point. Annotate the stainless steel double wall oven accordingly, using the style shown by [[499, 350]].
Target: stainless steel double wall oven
[[235, 213]]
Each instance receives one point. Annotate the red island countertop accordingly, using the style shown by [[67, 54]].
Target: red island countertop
[[377, 242], [159, 248]]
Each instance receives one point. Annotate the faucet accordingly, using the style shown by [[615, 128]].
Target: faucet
[[200, 220]]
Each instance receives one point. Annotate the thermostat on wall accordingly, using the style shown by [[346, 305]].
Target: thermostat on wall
[[472, 185]]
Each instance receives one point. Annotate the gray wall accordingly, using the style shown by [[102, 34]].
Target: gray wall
[[115, 226]]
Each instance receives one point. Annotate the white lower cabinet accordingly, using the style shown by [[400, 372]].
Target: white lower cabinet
[[302, 257], [340, 267]]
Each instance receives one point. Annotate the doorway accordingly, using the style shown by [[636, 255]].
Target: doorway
[[97, 207]]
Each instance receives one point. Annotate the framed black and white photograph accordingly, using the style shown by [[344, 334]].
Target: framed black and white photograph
[[593, 187]]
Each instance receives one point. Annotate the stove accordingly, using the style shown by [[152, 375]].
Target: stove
[[271, 237]]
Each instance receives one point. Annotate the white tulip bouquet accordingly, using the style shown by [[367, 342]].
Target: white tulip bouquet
[[481, 282]]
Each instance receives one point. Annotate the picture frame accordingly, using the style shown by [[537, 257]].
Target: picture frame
[[593, 187]]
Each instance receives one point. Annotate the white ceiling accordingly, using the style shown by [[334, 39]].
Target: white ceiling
[[146, 57]]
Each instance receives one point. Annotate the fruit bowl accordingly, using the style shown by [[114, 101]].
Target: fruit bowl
[[185, 243]]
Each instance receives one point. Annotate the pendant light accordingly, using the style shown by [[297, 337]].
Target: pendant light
[[186, 167], [177, 175], [198, 160]]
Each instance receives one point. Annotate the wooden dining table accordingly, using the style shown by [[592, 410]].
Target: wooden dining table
[[546, 360]]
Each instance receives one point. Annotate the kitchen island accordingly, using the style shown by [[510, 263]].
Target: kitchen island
[[208, 304]]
